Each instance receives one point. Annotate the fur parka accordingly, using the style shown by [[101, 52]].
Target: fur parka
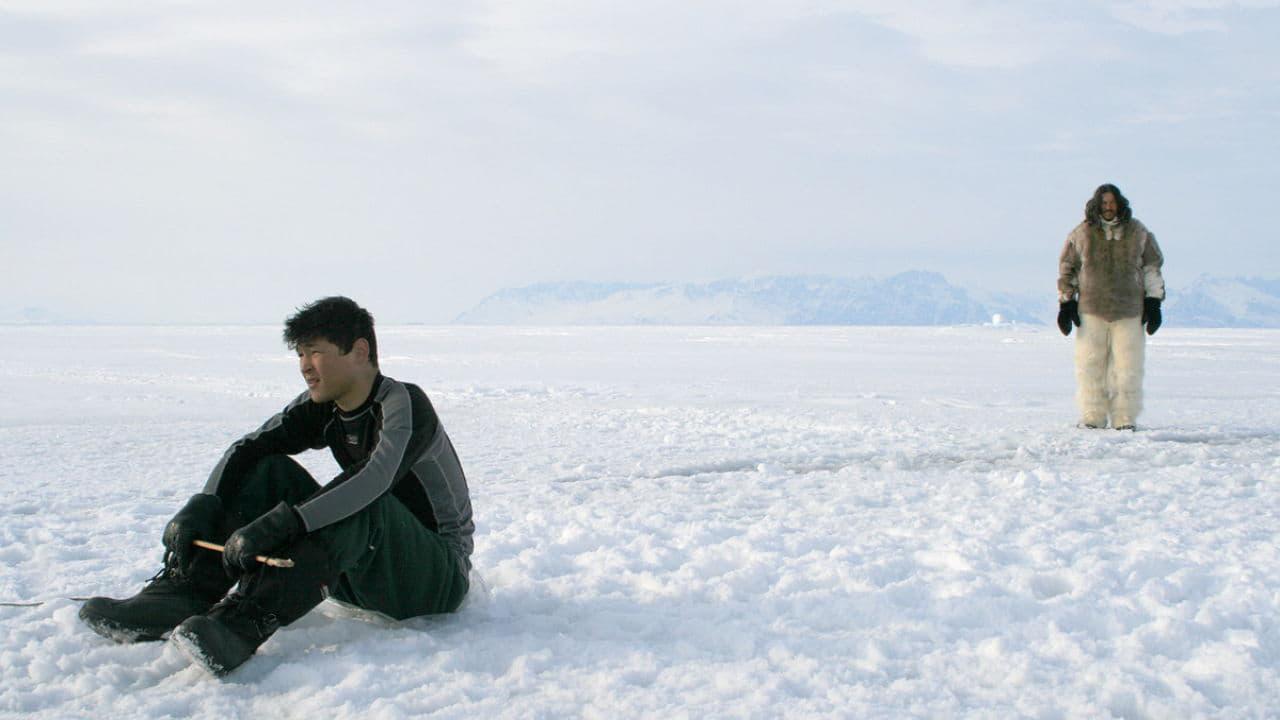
[[1110, 270]]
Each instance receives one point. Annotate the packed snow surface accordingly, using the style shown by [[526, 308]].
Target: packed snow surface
[[690, 522]]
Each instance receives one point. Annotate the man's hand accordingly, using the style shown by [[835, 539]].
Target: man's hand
[[277, 527], [1068, 313], [1151, 316], [200, 519]]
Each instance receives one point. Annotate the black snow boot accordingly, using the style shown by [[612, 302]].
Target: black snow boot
[[167, 599], [222, 639]]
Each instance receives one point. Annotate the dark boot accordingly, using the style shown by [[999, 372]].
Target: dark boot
[[167, 599], [222, 639]]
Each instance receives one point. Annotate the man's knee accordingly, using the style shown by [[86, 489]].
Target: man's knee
[[277, 465], [268, 481]]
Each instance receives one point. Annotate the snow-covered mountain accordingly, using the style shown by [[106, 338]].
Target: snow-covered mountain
[[1225, 302], [31, 315], [910, 298]]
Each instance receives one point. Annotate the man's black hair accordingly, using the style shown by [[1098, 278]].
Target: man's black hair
[[336, 319], [1093, 208]]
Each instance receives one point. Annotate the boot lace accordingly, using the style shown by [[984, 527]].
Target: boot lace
[[238, 608], [169, 573]]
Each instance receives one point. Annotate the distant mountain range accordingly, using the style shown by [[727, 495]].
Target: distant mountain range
[[910, 298], [33, 316], [1225, 302]]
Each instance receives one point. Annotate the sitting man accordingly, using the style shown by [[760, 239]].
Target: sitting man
[[391, 533]]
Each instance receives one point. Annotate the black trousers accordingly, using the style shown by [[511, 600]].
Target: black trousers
[[381, 558]]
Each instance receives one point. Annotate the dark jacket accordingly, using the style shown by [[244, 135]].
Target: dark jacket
[[394, 443]]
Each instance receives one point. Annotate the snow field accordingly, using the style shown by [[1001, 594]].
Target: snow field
[[691, 522]]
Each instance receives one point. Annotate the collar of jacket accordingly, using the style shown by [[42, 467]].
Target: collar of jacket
[[364, 406], [1113, 231]]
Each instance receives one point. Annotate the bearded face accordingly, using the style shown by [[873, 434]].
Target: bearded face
[[1109, 207]]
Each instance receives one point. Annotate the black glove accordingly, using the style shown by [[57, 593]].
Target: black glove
[[1068, 312], [1151, 314], [201, 519], [279, 526]]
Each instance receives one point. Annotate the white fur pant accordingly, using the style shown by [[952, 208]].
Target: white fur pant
[[1109, 360]]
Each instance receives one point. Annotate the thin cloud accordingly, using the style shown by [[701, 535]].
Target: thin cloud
[[1180, 17], [497, 143], [975, 34]]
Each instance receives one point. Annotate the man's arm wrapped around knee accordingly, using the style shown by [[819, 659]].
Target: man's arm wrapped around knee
[[202, 518], [275, 528]]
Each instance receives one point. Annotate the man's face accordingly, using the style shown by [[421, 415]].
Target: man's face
[[330, 374], [1109, 206]]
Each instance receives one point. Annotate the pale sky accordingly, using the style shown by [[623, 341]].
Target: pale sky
[[229, 161]]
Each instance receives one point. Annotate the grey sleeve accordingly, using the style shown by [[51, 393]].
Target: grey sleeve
[[357, 488], [292, 430]]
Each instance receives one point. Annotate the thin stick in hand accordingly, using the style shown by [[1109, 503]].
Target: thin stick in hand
[[273, 562]]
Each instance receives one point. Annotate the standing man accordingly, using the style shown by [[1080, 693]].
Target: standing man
[[1109, 285], [391, 533]]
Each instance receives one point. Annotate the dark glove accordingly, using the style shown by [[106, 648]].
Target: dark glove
[[1068, 312], [278, 527], [201, 519], [1151, 314]]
